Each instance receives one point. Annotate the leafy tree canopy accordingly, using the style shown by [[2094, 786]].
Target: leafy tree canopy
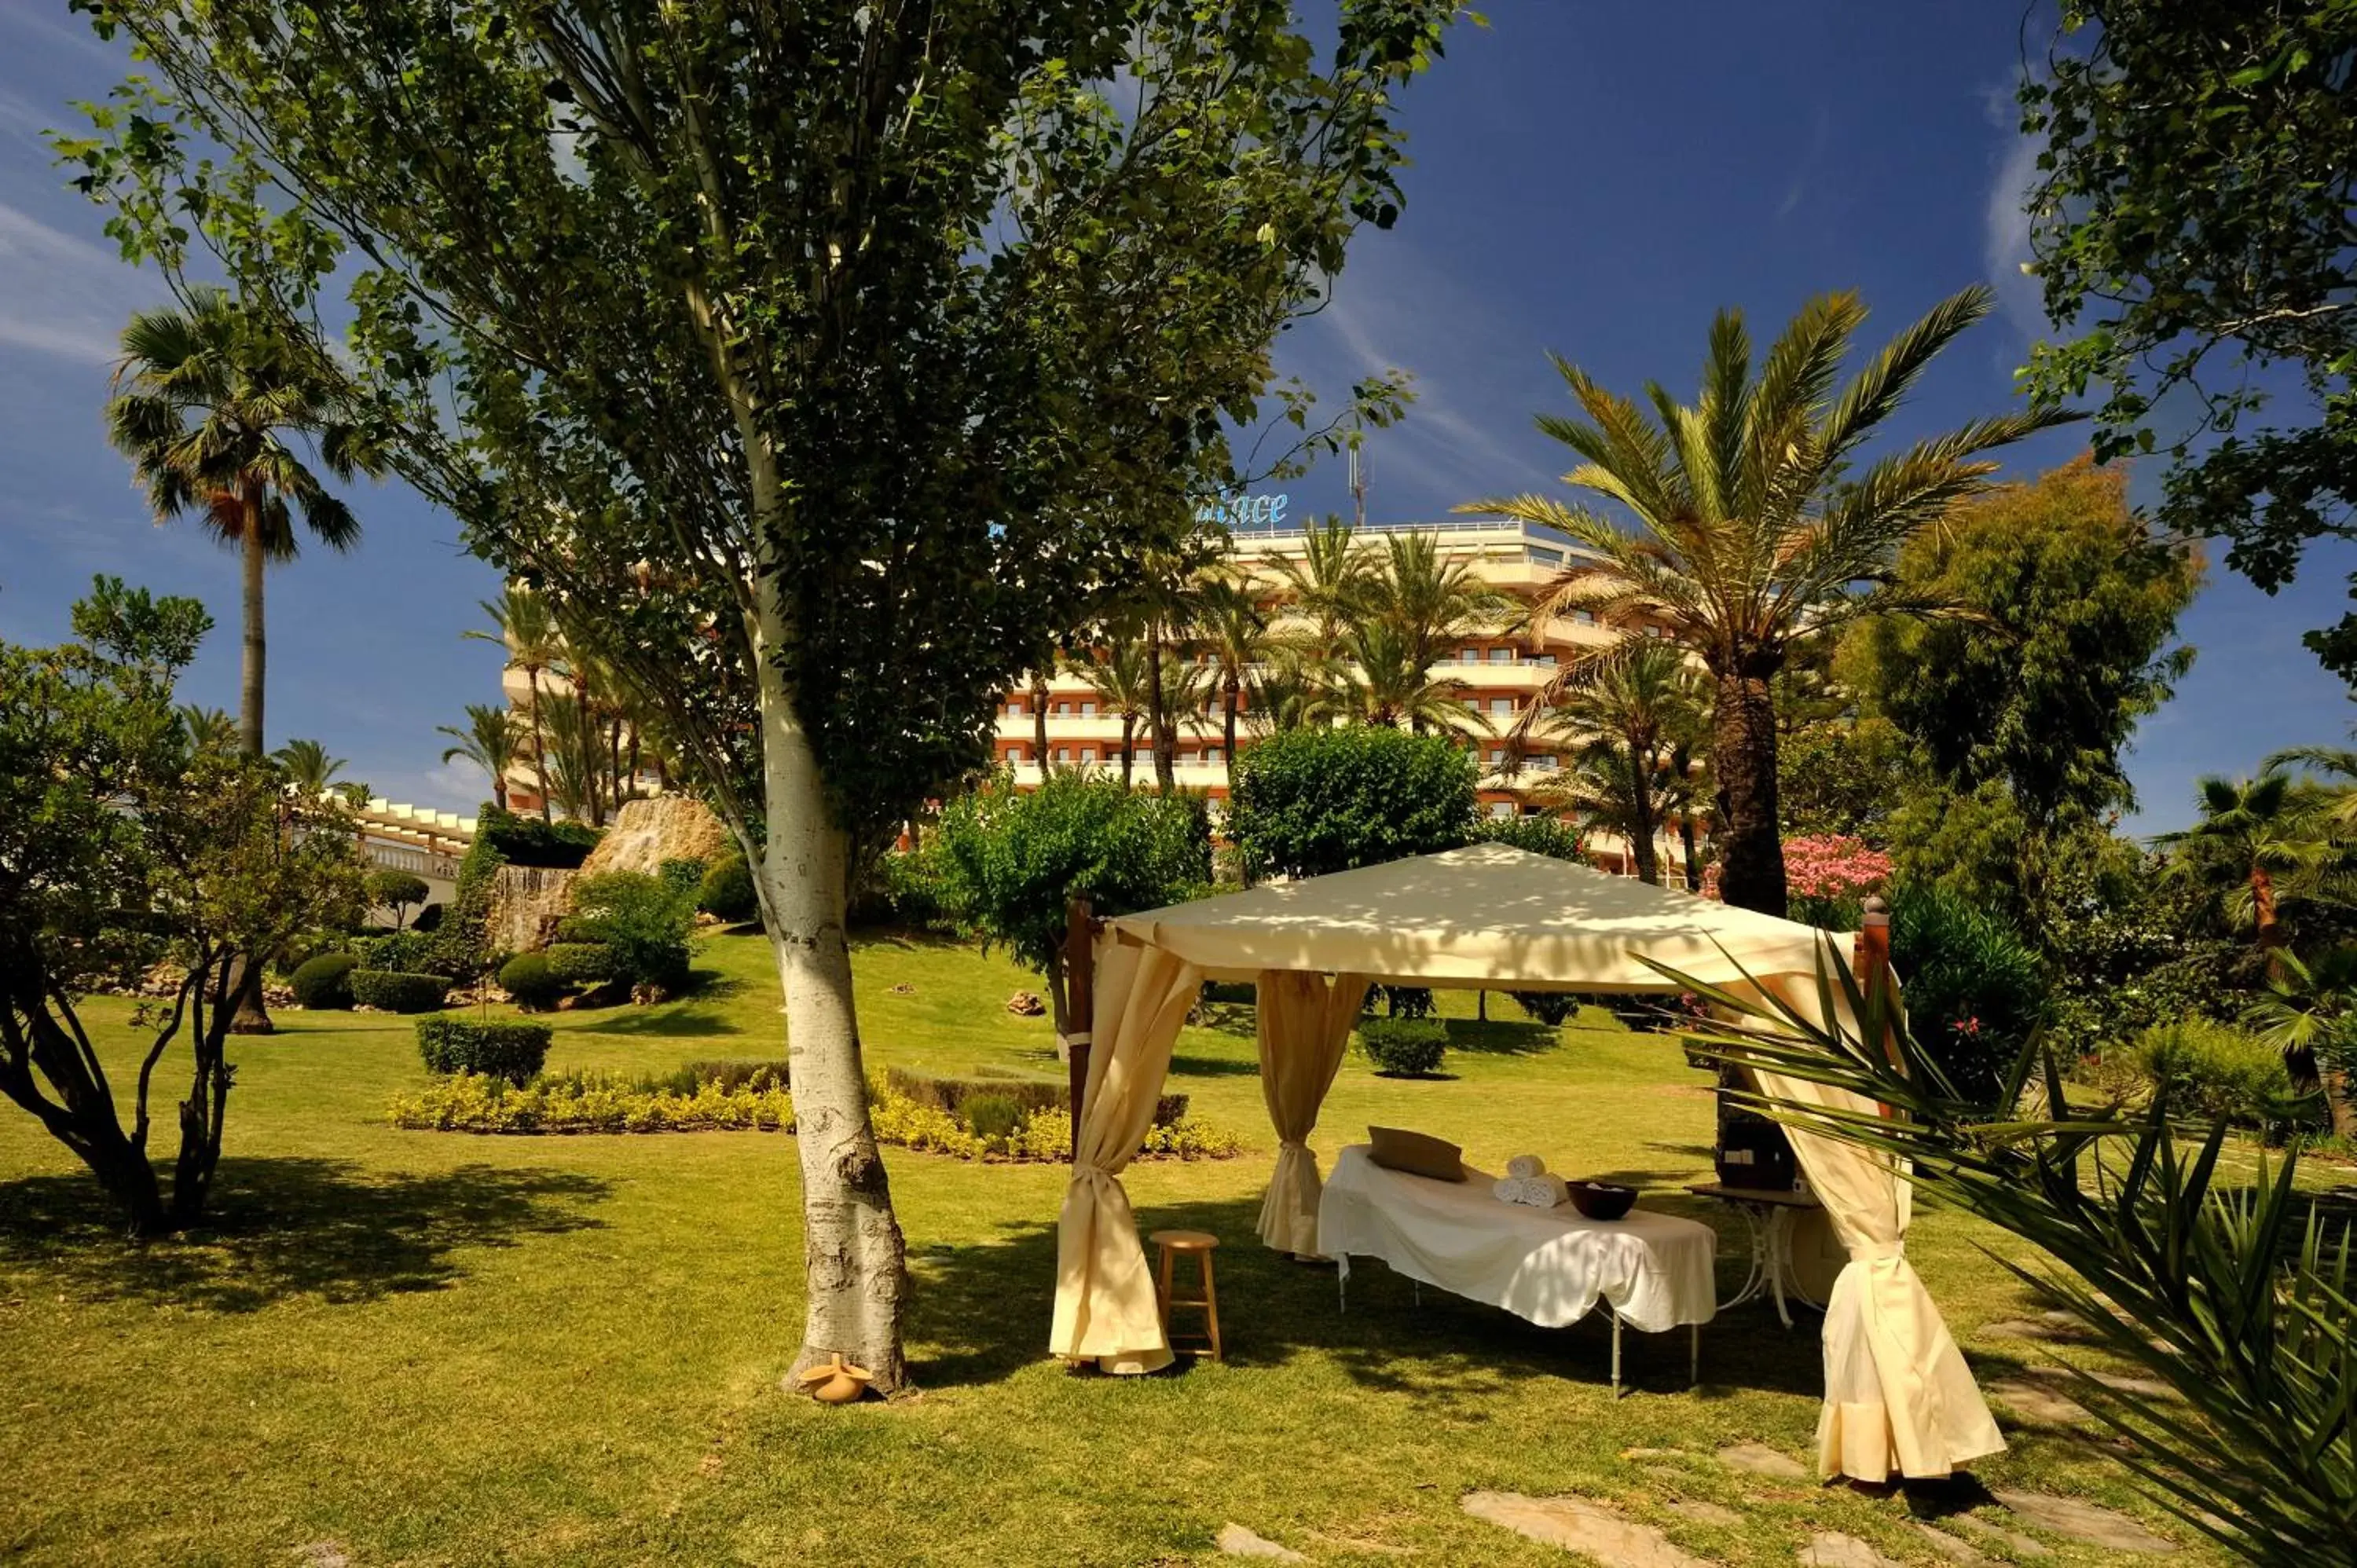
[[2193, 232], [1308, 801]]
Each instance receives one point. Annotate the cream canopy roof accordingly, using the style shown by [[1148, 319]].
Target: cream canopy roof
[[1487, 915]]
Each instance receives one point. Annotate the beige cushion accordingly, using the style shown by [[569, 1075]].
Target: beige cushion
[[1416, 1154]]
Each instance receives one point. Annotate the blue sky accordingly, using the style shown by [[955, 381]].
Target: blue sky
[[1591, 178]]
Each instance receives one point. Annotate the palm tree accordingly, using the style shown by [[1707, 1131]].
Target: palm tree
[[1752, 529], [308, 766], [1429, 602], [1231, 626], [525, 627], [1288, 690], [2339, 801], [207, 729], [1380, 680], [206, 399], [2308, 1012], [1628, 710], [2254, 849], [1604, 787], [490, 741], [1328, 584], [576, 759], [1116, 673], [1163, 602]]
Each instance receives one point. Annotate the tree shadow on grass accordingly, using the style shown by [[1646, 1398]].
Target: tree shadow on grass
[[1214, 1067], [981, 1313], [1501, 1037], [284, 1227], [683, 1023]]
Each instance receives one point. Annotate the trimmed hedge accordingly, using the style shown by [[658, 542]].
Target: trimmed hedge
[[530, 979], [1033, 1094], [579, 963], [727, 893], [405, 953], [1549, 1007], [494, 1048], [325, 981], [1403, 1048], [392, 991]]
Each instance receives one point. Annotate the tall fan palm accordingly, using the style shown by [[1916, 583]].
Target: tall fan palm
[[2308, 1011], [1630, 709], [1750, 529], [2252, 850], [1232, 627], [1116, 673], [523, 625], [207, 398], [1287, 689], [308, 766], [2339, 803], [491, 741]]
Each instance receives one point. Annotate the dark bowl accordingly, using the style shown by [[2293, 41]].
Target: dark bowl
[[1602, 1200]]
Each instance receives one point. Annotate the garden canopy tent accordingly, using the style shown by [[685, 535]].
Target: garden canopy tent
[[1898, 1395]]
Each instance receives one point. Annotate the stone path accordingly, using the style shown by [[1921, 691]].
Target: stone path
[[1579, 1525], [1948, 1546], [1701, 1513], [2012, 1539], [2084, 1522], [1758, 1459], [1831, 1549], [2038, 1404], [1237, 1541]]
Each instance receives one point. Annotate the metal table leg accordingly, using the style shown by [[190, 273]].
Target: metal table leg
[[1762, 1268]]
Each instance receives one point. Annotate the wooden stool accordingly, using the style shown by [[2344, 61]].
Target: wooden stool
[[1199, 1243]]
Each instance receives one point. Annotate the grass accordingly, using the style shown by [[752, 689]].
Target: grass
[[437, 1349]]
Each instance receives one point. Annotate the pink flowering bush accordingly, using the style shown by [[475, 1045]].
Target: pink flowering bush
[[1828, 876]]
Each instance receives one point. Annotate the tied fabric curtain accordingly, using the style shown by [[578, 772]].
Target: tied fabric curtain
[[1304, 1024], [1898, 1394], [1105, 1306]]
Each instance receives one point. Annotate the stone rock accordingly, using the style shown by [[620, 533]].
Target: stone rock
[[2082, 1520], [1758, 1459], [1026, 1005], [645, 833], [1948, 1546], [2036, 1403], [1577, 1525], [322, 1554], [1701, 1512], [1831, 1549], [902, 989], [2011, 1540], [527, 902], [1237, 1541]]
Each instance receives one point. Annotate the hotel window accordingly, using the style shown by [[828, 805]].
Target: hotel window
[[1542, 764], [1501, 808], [1474, 703], [1501, 656], [1088, 754], [1469, 656], [1497, 757], [1657, 631], [1014, 707], [1501, 704], [1211, 753], [1063, 708], [1546, 659], [1063, 754], [1088, 710]]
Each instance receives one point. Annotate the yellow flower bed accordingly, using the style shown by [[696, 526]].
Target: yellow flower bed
[[472, 1102]]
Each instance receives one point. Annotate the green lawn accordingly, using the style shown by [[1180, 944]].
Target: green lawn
[[437, 1349]]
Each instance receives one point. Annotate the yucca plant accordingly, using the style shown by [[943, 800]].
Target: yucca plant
[[2238, 1298]]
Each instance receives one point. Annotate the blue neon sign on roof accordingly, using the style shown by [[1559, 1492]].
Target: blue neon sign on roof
[[1237, 510]]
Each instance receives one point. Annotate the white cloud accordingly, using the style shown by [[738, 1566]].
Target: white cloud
[[2004, 233], [62, 296]]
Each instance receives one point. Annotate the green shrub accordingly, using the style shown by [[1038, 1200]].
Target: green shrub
[[392, 991], [1973, 989], [1550, 836], [1403, 1001], [461, 945], [429, 919], [532, 980], [727, 892], [579, 963], [1308, 801], [682, 876], [645, 925], [732, 1075], [950, 1095], [496, 1048], [1000, 1116], [909, 887], [411, 952], [1235, 992], [2212, 1070], [1403, 1048], [325, 981], [1549, 1007], [301, 950], [527, 841]]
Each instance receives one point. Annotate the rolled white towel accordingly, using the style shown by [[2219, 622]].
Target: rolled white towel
[[1553, 1188], [1533, 1192], [1523, 1167], [1507, 1189]]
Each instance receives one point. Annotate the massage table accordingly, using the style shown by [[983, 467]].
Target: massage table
[[1546, 1266]]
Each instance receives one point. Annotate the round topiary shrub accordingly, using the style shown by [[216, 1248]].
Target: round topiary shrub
[[727, 893], [1403, 1048], [495, 1048], [392, 991], [530, 979], [579, 963], [325, 981], [1549, 1007]]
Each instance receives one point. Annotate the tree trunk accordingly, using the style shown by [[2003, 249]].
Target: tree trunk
[[1059, 1013], [854, 1257], [1128, 745], [1039, 722], [1686, 843], [1743, 763], [1643, 852], [252, 561], [83, 1118], [1157, 714], [1228, 730], [2264, 915], [202, 1117], [538, 743]]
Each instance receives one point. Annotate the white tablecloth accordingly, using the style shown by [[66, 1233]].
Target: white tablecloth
[[1548, 1265]]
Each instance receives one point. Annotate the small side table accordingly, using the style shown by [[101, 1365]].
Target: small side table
[[1770, 1216], [1198, 1243]]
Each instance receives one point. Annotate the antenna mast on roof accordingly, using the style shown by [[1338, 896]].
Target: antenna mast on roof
[[1359, 477]]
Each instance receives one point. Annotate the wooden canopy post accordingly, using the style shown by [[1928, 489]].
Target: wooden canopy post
[[1870, 960], [1080, 1004]]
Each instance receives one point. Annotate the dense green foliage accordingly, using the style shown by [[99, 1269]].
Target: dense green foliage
[[727, 893], [461, 945], [684, 878], [1549, 1007], [642, 923], [579, 963], [2217, 1071], [1309, 801], [1403, 1048], [495, 1048], [1975, 990], [527, 841], [1008, 861], [1548, 835], [392, 991], [2190, 221], [324, 981], [532, 980], [396, 890], [413, 952]]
